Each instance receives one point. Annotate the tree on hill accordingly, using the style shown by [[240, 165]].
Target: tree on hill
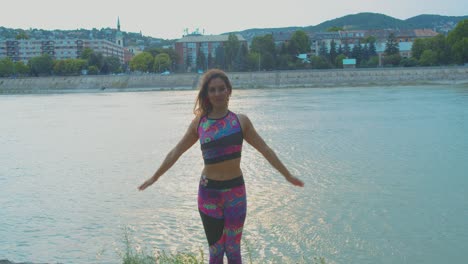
[[323, 51], [365, 52], [392, 51], [419, 45], [319, 62], [240, 60], [22, 35], [264, 44], [428, 58], [210, 60], [21, 69], [170, 51], [340, 50], [369, 39], [162, 62], [201, 60], [142, 62], [440, 45], [372, 49], [112, 64], [392, 46], [346, 49], [333, 52], [220, 61], [104, 65], [339, 60], [458, 40], [41, 65], [356, 53], [433, 21], [334, 29], [93, 59], [265, 47], [253, 61], [361, 21], [441, 50], [86, 53], [231, 47], [69, 66], [6, 67], [299, 43]]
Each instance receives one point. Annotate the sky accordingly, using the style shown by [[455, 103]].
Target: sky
[[167, 19]]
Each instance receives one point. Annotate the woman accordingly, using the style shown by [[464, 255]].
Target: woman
[[221, 196]]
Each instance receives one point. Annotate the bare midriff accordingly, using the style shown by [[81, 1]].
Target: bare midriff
[[223, 171]]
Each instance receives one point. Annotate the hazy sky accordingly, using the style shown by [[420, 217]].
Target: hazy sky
[[169, 18]]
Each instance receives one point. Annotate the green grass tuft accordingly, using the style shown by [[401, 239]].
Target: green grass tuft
[[133, 256]]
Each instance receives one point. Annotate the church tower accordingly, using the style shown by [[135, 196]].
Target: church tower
[[118, 35]]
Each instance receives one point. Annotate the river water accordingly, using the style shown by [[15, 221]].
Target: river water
[[385, 172]]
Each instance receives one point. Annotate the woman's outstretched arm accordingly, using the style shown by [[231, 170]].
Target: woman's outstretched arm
[[254, 139], [184, 144]]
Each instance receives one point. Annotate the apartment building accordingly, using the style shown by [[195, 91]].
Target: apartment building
[[25, 49], [107, 48], [189, 46], [354, 37], [316, 39], [281, 37]]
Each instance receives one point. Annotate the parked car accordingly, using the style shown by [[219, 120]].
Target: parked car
[[165, 73]]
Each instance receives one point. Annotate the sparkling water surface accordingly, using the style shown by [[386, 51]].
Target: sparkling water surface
[[385, 172]]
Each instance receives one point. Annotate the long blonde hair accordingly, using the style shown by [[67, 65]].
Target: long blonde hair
[[202, 103]]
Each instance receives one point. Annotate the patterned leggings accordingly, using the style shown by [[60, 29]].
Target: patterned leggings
[[223, 207]]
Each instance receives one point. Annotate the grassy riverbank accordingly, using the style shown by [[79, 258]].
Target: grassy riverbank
[[133, 254]]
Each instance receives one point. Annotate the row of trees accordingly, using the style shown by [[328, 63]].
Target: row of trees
[[439, 50], [154, 60], [45, 65], [364, 52], [151, 60], [264, 54], [443, 50]]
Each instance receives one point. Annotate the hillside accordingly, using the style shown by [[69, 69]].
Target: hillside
[[131, 38], [441, 24], [361, 21]]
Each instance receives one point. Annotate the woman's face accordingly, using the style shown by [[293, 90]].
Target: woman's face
[[218, 92]]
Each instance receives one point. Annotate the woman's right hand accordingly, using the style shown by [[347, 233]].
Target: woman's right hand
[[147, 183]]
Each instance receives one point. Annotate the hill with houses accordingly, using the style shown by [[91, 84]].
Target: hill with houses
[[361, 21], [367, 21]]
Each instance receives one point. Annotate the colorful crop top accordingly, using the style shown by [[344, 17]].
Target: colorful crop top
[[220, 139]]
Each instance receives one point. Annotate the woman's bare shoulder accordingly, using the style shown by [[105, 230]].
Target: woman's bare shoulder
[[241, 116], [196, 120], [244, 120]]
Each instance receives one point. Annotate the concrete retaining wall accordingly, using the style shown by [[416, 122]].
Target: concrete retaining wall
[[275, 79]]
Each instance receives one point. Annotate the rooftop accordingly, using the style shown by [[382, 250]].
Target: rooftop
[[208, 38]]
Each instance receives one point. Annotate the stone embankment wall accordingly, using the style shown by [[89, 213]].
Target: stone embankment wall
[[274, 79]]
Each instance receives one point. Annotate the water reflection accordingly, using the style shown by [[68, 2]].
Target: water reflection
[[383, 167]]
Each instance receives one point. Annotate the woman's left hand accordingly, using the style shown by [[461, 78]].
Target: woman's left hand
[[148, 183], [295, 181]]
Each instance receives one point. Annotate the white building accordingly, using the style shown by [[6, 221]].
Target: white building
[[25, 49]]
